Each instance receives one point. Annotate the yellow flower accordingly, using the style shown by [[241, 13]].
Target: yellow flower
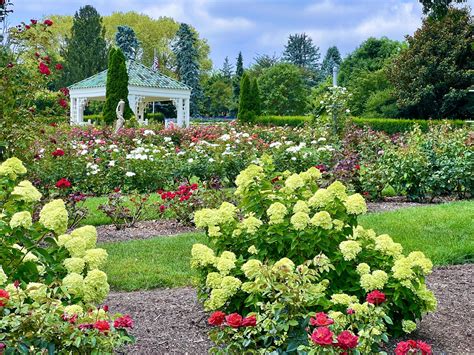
[[36, 291], [293, 182], [74, 265], [76, 247], [231, 285], [249, 176], [322, 219], [343, 299], [251, 224], [350, 249], [387, 246], [96, 287], [25, 191], [88, 233], [3, 276], [355, 204], [12, 167], [418, 259], [374, 281], [213, 280], [300, 206], [283, 265], [74, 284], [54, 216], [228, 255], [300, 220], [95, 258], [311, 174], [252, 250], [217, 299], [337, 189], [202, 256], [224, 265], [363, 269], [277, 212], [320, 199], [21, 219], [408, 326], [251, 268], [73, 309]]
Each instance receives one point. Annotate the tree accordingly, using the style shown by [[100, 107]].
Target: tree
[[218, 95], [116, 87], [188, 65], [239, 71], [331, 59], [301, 52], [86, 50], [227, 69], [255, 97], [283, 90], [432, 76], [438, 8], [246, 112], [263, 61], [127, 41]]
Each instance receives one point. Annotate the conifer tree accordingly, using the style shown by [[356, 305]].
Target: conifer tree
[[86, 50], [227, 69], [127, 41], [246, 113], [116, 87], [331, 59], [186, 52], [239, 71]]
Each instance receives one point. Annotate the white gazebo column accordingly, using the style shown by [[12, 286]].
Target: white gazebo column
[[81, 103], [73, 110], [180, 112], [186, 111]]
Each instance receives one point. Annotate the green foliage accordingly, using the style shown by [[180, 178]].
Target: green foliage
[[188, 69], [227, 69], [331, 108], [218, 95], [157, 117], [116, 87], [127, 41], [246, 108], [255, 97], [239, 72], [331, 59], [302, 52], [283, 90], [392, 126], [432, 76], [438, 8], [292, 121], [85, 53]]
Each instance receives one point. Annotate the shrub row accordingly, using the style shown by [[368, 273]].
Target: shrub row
[[396, 125], [292, 121]]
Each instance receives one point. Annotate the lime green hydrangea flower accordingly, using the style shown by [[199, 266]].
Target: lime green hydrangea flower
[[360, 308], [21, 219], [251, 268], [429, 300], [277, 212], [402, 270], [252, 250], [224, 265], [387, 246], [293, 182], [214, 231], [36, 291], [300, 206], [54, 216], [205, 217], [74, 265], [95, 258], [88, 233], [76, 247], [96, 287], [300, 221], [361, 233], [25, 191], [339, 318], [213, 280], [338, 224], [337, 189], [226, 213], [3, 276], [418, 259], [343, 299], [231, 285], [283, 265], [74, 284], [408, 326], [322, 219], [202, 256], [74, 309], [374, 281], [12, 167], [16, 293], [63, 239], [310, 175], [355, 204], [216, 300], [228, 255], [321, 198], [350, 249], [251, 224], [252, 174], [363, 269]]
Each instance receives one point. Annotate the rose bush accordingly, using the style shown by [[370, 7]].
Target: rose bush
[[50, 280], [283, 220]]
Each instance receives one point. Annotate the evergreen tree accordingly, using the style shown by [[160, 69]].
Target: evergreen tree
[[116, 87], [438, 8], [227, 69], [127, 41], [246, 113], [186, 52], [86, 50], [301, 52], [331, 59], [255, 96], [239, 71]]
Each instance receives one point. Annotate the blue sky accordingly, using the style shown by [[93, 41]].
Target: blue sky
[[259, 26]]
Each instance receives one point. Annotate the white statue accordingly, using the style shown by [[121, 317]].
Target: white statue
[[119, 112]]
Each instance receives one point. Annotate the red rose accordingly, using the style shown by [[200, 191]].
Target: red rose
[[47, 59], [376, 297], [102, 325], [105, 308], [123, 322], [403, 348], [321, 319], [43, 68], [37, 54], [34, 22], [4, 297], [63, 103], [48, 22], [357, 167], [63, 183], [216, 318], [346, 340], [59, 66], [58, 153], [27, 27], [162, 208], [350, 311], [64, 91], [194, 186], [234, 320], [424, 348], [322, 336], [250, 321], [321, 167], [10, 65]]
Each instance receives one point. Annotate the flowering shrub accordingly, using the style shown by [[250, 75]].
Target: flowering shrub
[[50, 281], [285, 219], [413, 347], [125, 211]]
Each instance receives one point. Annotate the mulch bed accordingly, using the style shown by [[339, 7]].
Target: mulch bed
[[171, 321]]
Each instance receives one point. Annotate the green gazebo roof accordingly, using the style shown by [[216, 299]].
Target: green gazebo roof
[[138, 75]]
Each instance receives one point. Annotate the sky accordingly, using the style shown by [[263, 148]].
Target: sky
[[259, 26]]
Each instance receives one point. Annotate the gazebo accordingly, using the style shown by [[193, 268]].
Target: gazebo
[[144, 85]]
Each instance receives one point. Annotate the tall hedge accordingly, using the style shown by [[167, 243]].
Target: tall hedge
[[246, 112], [116, 87], [255, 96]]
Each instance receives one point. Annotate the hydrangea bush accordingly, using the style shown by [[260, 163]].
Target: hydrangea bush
[[48, 277], [283, 220]]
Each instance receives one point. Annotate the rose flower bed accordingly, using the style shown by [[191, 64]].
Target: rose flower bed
[[289, 269], [50, 281]]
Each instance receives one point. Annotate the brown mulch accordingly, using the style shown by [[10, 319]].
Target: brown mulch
[[142, 230], [171, 321]]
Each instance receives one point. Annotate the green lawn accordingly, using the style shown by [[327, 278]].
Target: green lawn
[[444, 232]]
